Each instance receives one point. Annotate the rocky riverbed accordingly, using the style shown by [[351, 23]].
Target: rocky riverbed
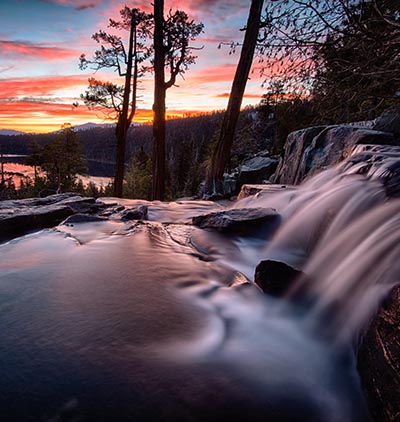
[[132, 310]]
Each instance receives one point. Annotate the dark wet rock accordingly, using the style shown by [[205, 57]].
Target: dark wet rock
[[239, 221], [379, 361], [389, 121], [138, 213], [82, 218], [309, 151], [275, 278]]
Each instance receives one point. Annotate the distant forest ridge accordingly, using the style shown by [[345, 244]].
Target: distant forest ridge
[[99, 140]]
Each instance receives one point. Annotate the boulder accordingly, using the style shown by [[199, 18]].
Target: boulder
[[238, 221], [379, 361], [138, 213], [275, 277], [257, 169]]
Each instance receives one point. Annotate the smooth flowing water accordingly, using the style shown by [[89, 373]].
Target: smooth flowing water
[[160, 320]]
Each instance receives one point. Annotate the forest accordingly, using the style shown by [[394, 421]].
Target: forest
[[333, 64]]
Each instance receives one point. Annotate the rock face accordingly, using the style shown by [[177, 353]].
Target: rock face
[[379, 361], [238, 221], [312, 150], [295, 145], [274, 277], [389, 121]]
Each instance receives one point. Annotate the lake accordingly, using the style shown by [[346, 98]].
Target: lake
[[99, 172]]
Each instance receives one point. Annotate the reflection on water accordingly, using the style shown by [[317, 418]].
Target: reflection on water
[[18, 171], [160, 321]]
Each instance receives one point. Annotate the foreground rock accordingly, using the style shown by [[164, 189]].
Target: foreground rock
[[275, 277], [18, 217], [379, 361], [238, 221]]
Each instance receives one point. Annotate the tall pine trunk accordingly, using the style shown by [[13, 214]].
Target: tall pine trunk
[[222, 152], [124, 119], [159, 104]]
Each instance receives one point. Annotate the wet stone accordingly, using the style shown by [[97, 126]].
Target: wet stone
[[239, 221], [275, 277], [139, 213]]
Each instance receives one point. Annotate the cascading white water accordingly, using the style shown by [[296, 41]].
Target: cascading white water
[[155, 320]]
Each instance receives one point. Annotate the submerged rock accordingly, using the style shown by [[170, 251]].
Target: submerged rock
[[239, 221], [379, 361], [250, 190], [82, 218], [275, 277]]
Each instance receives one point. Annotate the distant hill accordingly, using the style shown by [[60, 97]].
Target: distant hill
[[91, 125], [10, 132]]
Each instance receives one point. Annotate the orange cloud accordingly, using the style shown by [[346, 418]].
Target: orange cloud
[[36, 116], [30, 49], [211, 74], [41, 86], [250, 96]]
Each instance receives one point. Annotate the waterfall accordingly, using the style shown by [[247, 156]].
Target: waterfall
[[160, 320]]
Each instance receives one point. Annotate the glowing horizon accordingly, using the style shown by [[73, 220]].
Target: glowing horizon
[[41, 41]]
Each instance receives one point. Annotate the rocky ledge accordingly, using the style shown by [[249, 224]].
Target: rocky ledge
[[22, 216]]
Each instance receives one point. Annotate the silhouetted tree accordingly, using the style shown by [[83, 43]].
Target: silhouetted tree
[[62, 160], [172, 52], [125, 58], [346, 49], [221, 154]]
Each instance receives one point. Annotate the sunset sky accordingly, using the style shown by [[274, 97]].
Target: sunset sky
[[41, 41]]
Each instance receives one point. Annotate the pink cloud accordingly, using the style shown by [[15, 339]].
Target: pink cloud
[[41, 86], [78, 4], [27, 48]]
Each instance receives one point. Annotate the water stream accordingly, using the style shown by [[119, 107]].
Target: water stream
[[160, 320]]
